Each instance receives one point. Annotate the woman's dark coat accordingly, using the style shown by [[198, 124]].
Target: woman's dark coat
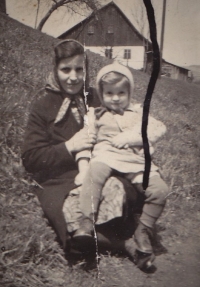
[[46, 157]]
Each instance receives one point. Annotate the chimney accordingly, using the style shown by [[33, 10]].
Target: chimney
[[3, 6]]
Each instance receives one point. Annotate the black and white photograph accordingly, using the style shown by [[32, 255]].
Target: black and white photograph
[[99, 143]]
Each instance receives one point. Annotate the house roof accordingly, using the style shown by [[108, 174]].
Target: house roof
[[94, 13], [175, 65]]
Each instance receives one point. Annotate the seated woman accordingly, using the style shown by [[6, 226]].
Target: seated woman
[[53, 137]]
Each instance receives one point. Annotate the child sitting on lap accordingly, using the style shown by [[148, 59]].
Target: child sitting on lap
[[119, 148]]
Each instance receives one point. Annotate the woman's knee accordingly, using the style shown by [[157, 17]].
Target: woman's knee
[[157, 191]]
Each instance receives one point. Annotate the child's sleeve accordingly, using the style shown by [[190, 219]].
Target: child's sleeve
[[155, 129]]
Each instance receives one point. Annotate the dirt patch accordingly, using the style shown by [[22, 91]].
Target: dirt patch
[[180, 266], [177, 264]]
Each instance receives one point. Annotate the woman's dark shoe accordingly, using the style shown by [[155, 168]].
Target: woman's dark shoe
[[142, 239], [83, 237]]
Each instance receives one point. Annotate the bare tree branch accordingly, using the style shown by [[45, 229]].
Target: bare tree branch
[[91, 4], [50, 11], [139, 15], [37, 12]]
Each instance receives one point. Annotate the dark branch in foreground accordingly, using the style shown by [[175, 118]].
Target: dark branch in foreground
[[150, 89]]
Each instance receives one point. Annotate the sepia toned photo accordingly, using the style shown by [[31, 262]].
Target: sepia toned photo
[[99, 143]]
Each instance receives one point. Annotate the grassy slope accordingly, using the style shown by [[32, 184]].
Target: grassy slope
[[30, 255]]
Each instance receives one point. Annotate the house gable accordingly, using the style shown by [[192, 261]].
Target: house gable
[[107, 27]]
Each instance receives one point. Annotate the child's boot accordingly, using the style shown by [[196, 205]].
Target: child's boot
[[142, 260], [144, 252], [142, 238], [144, 231]]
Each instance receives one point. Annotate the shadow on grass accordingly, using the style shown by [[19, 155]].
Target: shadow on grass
[[158, 248], [87, 260], [110, 242]]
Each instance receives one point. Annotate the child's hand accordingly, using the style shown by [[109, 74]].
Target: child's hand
[[81, 141], [120, 141], [83, 165], [151, 150]]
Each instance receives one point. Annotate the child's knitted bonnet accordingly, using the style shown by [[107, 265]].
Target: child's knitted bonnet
[[118, 68]]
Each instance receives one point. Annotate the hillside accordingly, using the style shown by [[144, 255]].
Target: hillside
[[30, 254]]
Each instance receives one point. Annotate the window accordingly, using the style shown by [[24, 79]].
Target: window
[[127, 54], [110, 29], [108, 53], [91, 29]]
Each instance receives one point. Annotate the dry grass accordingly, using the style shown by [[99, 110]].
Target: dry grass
[[30, 255]]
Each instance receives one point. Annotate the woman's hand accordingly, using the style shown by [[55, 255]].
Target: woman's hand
[[80, 141]]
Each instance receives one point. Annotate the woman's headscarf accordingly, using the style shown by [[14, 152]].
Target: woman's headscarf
[[120, 69], [65, 49]]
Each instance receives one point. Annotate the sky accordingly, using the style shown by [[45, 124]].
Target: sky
[[182, 23]]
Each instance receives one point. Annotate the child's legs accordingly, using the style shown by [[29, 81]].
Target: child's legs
[[156, 195], [92, 186]]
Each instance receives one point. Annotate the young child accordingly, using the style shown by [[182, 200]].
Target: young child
[[119, 148]]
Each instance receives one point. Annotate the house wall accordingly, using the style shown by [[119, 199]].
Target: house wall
[[137, 55], [183, 74], [175, 72], [108, 28], [178, 73]]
